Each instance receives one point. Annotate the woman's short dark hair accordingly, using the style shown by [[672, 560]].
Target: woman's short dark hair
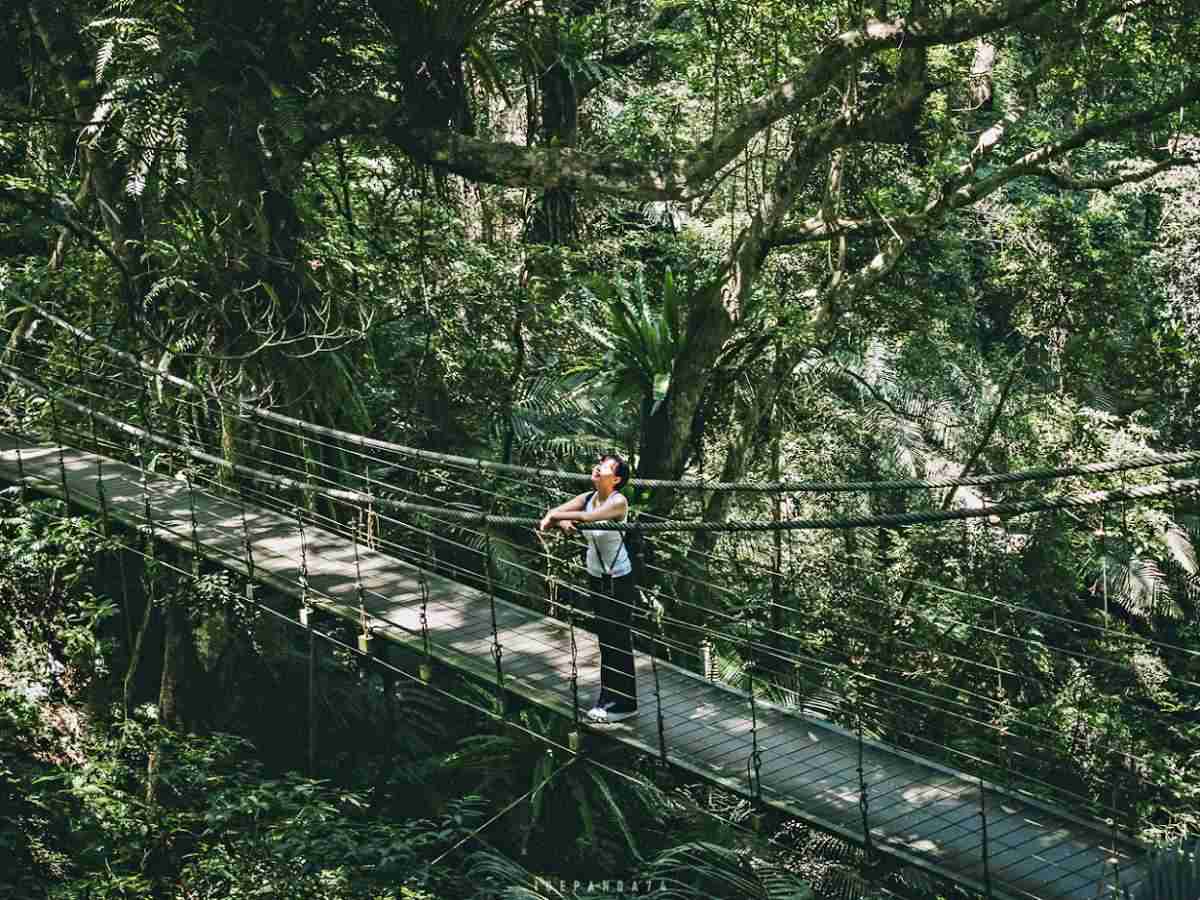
[[621, 469]]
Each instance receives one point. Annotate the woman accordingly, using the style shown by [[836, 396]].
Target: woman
[[610, 577]]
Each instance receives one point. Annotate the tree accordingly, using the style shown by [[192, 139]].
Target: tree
[[1025, 139]]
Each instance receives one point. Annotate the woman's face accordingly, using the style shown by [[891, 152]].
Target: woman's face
[[604, 472]]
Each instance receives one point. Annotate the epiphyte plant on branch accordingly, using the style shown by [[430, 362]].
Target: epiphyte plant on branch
[[641, 338]]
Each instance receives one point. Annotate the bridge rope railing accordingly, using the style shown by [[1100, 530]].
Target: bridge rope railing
[[414, 680], [77, 333], [355, 498], [358, 498], [1103, 467], [1089, 499]]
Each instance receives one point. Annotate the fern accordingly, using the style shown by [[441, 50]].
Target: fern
[[498, 876], [844, 883], [614, 810], [103, 57], [564, 415], [1135, 584], [145, 111]]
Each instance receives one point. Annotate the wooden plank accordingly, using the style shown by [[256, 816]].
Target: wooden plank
[[924, 812]]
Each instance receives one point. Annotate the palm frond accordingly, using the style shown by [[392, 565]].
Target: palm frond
[[1137, 585], [780, 884], [1181, 545], [567, 416], [614, 809], [702, 869], [481, 751], [584, 809]]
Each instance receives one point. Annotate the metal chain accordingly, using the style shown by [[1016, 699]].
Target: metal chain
[[102, 497], [552, 594], [423, 570], [366, 514], [755, 760], [574, 661], [82, 377], [307, 490], [303, 559], [863, 802], [987, 867], [358, 587], [62, 465], [497, 649], [423, 583], [662, 734], [195, 534], [247, 546], [1104, 558], [151, 568], [551, 578], [308, 618], [144, 450]]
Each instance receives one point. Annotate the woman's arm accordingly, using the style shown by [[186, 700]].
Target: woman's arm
[[612, 508], [560, 512]]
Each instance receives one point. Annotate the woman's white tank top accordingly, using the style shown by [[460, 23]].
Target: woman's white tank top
[[606, 554]]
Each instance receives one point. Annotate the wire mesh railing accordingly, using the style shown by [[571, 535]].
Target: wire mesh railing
[[892, 657]]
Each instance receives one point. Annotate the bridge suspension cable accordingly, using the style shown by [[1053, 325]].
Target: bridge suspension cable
[[434, 511], [319, 477], [1103, 467], [1159, 490], [357, 497]]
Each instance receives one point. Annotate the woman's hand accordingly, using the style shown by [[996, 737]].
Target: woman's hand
[[566, 525], [545, 523]]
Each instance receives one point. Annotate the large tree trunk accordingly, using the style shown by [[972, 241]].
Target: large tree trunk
[[178, 669], [714, 312], [176, 664], [554, 217], [749, 413]]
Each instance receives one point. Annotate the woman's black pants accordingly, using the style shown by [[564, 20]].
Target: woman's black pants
[[614, 600]]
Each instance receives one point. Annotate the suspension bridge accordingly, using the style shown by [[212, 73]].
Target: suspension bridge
[[422, 549]]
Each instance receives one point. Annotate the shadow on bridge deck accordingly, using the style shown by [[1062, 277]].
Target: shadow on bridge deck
[[920, 811]]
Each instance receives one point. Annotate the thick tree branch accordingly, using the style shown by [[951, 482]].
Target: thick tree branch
[[960, 192], [677, 178], [1034, 162], [848, 48], [1070, 183]]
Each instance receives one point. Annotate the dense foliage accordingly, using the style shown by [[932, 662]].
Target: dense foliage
[[832, 241]]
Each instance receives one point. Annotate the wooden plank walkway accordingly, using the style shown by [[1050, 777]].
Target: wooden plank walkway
[[920, 811]]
